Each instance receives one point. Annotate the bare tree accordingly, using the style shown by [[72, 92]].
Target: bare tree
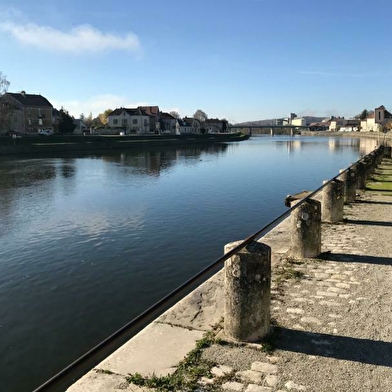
[[174, 114], [200, 115], [5, 108]]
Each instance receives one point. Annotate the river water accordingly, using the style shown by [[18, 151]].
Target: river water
[[89, 241]]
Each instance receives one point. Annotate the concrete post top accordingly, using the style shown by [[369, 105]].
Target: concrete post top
[[257, 247]]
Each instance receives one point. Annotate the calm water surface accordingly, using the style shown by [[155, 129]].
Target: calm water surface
[[90, 241]]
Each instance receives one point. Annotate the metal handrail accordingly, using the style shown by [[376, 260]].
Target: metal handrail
[[86, 362]]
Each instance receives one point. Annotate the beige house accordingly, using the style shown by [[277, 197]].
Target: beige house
[[129, 120], [336, 123], [29, 113], [298, 122], [376, 120]]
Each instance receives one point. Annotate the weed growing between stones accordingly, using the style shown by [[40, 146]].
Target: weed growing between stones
[[187, 374]]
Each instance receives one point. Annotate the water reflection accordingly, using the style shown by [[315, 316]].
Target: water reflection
[[119, 229]]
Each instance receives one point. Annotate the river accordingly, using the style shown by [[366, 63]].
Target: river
[[89, 241]]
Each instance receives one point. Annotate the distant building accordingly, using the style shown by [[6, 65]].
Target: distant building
[[167, 123], [376, 120], [29, 112], [336, 123], [214, 125], [194, 123], [351, 126], [80, 127], [298, 122], [130, 120], [182, 127]]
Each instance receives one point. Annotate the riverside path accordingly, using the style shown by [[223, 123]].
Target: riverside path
[[331, 316]]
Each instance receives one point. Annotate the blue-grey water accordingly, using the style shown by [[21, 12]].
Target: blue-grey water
[[89, 241]]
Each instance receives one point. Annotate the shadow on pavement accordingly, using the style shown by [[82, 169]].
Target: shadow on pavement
[[346, 257], [366, 222], [373, 202], [368, 351]]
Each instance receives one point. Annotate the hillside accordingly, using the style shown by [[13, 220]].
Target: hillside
[[309, 120]]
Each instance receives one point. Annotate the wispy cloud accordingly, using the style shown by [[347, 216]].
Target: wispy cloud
[[96, 104], [80, 39]]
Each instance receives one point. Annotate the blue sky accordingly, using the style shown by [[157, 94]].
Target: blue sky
[[235, 59]]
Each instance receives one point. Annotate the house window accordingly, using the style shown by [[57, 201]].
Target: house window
[[134, 121], [145, 123], [40, 121], [124, 121], [379, 115], [115, 121], [39, 112]]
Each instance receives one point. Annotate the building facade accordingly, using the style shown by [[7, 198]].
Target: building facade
[[29, 112]]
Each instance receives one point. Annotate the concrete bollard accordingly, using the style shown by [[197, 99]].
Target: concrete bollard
[[361, 175], [350, 181], [387, 153], [306, 230], [248, 292], [333, 201]]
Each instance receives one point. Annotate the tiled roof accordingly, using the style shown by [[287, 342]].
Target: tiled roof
[[166, 116], [30, 99], [150, 110], [131, 112], [183, 123]]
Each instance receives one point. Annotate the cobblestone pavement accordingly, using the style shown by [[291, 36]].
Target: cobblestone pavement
[[333, 324]]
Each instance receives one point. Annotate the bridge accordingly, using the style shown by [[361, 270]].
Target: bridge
[[274, 129]]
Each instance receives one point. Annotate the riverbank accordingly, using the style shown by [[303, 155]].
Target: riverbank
[[331, 319], [61, 143]]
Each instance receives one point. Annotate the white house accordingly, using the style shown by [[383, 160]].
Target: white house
[[194, 123], [129, 120], [182, 127]]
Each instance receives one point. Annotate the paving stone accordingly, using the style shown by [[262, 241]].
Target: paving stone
[[250, 376], [291, 385], [264, 367], [257, 388], [219, 371], [326, 293], [321, 275], [206, 381], [233, 386], [302, 300], [271, 380], [343, 285], [273, 358], [330, 303], [336, 290], [295, 310], [311, 320]]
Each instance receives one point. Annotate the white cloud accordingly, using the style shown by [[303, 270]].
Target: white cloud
[[81, 39], [96, 104]]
